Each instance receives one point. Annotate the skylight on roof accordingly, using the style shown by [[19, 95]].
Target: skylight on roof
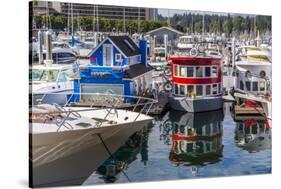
[[129, 44]]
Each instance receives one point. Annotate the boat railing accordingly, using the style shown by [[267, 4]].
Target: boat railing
[[141, 105]]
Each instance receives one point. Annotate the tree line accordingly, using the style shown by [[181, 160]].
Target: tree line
[[89, 23], [228, 24]]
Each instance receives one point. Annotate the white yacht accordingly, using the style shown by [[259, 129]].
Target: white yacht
[[68, 143], [253, 78], [186, 42], [47, 80]]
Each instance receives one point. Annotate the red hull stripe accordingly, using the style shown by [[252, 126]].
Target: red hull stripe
[[196, 80]]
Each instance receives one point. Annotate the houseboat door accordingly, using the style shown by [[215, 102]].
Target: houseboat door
[[107, 55]]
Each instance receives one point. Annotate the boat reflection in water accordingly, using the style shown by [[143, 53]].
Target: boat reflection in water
[[120, 160], [196, 138], [253, 134]]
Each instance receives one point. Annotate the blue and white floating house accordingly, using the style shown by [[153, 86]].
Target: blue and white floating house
[[117, 66]]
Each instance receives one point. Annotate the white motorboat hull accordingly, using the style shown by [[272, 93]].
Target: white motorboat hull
[[68, 158], [196, 104]]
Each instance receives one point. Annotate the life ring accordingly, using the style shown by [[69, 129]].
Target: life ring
[[248, 74], [201, 48], [193, 52], [168, 86], [262, 74]]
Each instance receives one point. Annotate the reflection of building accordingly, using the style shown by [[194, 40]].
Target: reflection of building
[[197, 138], [253, 134]]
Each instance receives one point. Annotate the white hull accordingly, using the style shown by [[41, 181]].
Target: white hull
[[68, 158]]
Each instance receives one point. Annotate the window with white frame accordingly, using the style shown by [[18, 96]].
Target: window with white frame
[[262, 86], [208, 90], [182, 71], [182, 91], [190, 90], [214, 71], [248, 85], [190, 71], [118, 57], [199, 90], [176, 88], [215, 89], [176, 70], [207, 71], [199, 71], [255, 86]]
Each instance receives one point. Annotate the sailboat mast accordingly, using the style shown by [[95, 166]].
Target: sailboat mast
[[97, 13], [138, 20], [124, 28], [72, 30]]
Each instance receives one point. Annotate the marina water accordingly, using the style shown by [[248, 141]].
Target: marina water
[[151, 160]]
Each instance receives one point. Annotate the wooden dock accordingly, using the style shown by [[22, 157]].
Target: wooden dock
[[248, 110]]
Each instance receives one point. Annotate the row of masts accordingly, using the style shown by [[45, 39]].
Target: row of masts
[[70, 18]]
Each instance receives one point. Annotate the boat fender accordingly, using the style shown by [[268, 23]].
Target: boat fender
[[193, 52]]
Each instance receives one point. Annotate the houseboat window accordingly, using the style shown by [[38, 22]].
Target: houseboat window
[[214, 71], [255, 86], [182, 71], [118, 57], [241, 85], [199, 71], [199, 90], [207, 72], [215, 89], [176, 70], [182, 89], [190, 89], [176, 89], [190, 71], [208, 89], [248, 85]]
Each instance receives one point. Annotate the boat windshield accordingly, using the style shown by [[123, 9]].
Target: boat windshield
[[59, 45], [43, 75]]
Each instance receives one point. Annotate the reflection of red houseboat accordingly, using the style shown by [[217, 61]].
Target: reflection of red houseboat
[[197, 83], [253, 134], [197, 138]]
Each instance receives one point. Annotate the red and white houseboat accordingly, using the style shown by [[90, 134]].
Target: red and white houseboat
[[197, 83]]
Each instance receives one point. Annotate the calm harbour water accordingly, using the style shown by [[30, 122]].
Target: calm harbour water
[[156, 154]]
